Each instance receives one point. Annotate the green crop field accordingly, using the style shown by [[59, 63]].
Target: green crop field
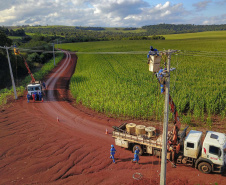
[[207, 35], [113, 77]]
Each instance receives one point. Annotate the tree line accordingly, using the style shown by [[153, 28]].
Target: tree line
[[11, 32], [87, 34], [34, 59], [163, 29]]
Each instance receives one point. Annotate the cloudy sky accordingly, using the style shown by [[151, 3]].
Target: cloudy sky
[[111, 13]]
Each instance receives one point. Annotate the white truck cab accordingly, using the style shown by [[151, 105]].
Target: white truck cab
[[34, 87], [213, 155]]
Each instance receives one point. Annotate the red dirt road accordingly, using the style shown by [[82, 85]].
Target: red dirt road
[[36, 149]]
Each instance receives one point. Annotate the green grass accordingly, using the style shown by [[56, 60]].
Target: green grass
[[120, 85], [207, 34], [15, 37], [138, 30]]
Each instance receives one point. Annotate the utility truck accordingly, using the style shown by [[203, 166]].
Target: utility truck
[[34, 88], [208, 156]]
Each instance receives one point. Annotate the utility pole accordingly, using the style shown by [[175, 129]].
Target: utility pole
[[11, 73], [165, 124], [166, 117]]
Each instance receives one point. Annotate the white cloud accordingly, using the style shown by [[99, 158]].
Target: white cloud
[[216, 20], [161, 13], [97, 12]]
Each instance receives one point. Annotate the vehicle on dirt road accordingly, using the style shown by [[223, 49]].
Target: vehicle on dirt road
[[34, 88]]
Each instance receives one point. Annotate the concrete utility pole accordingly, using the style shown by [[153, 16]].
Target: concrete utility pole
[[166, 117], [165, 124], [11, 73]]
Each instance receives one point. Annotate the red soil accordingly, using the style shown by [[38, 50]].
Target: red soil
[[37, 149]]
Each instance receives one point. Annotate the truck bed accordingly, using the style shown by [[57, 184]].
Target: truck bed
[[156, 143]]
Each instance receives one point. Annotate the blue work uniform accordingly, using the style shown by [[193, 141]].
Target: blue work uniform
[[136, 156], [112, 153], [28, 97], [159, 77], [152, 52], [40, 96], [36, 96], [44, 85]]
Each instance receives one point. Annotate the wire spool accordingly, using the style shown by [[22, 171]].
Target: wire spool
[[130, 128], [140, 130], [150, 131]]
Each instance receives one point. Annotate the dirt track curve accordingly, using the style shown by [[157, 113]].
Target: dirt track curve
[[36, 149]]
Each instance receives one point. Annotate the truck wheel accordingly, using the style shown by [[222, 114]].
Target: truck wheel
[[139, 147], [204, 167]]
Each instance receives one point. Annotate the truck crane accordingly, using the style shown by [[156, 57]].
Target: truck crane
[[34, 89], [188, 149]]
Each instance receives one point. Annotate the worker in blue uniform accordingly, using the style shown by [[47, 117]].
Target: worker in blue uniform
[[28, 97], [152, 52], [112, 153], [160, 76], [36, 96], [136, 155], [40, 96], [44, 85]]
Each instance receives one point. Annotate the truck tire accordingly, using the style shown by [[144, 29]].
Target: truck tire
[[139, 147], [204, 167]]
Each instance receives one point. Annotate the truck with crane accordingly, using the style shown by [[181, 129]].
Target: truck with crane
[[34, 88], [208, 154]]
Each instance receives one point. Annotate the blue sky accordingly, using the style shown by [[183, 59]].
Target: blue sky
[[111, 13]]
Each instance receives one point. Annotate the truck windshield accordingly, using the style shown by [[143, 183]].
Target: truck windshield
[[30, 89]]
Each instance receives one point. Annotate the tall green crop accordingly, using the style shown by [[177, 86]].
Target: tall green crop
[[119, 84]]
